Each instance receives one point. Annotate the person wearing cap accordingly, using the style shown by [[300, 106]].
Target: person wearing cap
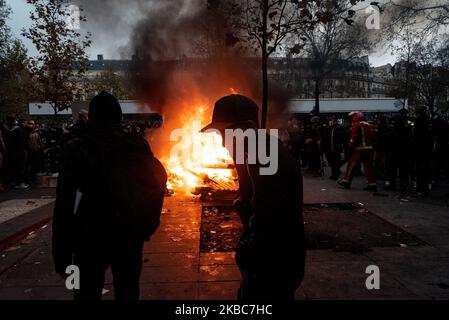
[[271, 253], [360, 150], [108, 202]]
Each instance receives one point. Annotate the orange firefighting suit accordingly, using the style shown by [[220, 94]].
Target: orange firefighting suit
[[361, 151]]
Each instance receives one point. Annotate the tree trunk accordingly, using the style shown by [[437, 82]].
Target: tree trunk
[[264, 64], [55, 109], [407, 75], [316, 109]]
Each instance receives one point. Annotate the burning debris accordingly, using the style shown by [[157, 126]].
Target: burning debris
[[198, 163], [180, 73], [169, 75]]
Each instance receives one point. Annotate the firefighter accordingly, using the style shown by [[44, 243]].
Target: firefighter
[[360, 150]]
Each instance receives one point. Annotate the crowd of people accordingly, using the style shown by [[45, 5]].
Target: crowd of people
[[29, 148], [409, 153], [402, 151]]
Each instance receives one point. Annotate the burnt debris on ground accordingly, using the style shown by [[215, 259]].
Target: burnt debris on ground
[[338, 226]]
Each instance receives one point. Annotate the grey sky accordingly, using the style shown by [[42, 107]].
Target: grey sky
[[111, 42]]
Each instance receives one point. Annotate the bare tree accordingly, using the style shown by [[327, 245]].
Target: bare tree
[[428, 15], [405, 48], [333, 41], [430, 76], [264, 24], [422, 72]]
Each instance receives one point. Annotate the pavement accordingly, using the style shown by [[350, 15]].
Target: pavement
[[174, 267], [22, 211]]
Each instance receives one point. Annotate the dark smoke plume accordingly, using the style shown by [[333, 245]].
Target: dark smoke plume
[[180, 49], [177, 44]]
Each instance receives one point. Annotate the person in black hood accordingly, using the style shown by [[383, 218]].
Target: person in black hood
[[109, 200]]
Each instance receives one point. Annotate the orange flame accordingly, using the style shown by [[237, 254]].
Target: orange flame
[[196, 157], [234, 91]]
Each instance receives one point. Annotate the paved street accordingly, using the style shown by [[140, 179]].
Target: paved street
[[174, 268]]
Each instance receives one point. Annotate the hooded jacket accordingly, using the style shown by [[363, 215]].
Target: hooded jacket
[[87, 210]]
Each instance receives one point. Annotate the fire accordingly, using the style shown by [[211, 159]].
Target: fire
[[234, 91], [198, 159]]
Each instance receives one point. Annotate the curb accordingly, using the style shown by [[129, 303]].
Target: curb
[[30, 221]]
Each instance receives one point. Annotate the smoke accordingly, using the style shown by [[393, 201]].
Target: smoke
[[111, 22], [171, 44], [178, 70], [184, 57]]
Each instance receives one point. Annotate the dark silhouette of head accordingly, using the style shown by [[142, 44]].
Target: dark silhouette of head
[[11, 120], [422, 114], [234, 110], [104, 109], [22, 122]]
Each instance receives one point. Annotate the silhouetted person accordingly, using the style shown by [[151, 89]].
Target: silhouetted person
[[271, 253], [109, 200], [401, 152], [7, 128], [422, 147], [2, 159], [80, 126], [19, 142], [385, 143], [294, 131], [440, 146], [34, 152], [332, 144], [312, 146], [382, 144]]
